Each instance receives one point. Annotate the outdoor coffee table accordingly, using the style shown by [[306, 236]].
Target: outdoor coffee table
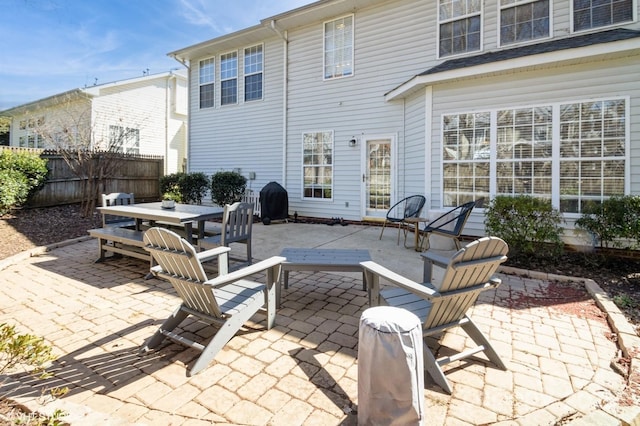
[[311, 259]]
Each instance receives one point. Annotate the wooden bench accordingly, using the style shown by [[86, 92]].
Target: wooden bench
[[123, 241]]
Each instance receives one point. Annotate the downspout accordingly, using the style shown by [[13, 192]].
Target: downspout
[[166, 123], [285, 103], [188, 147]]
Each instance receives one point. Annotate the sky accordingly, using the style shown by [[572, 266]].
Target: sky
[[52, 46]]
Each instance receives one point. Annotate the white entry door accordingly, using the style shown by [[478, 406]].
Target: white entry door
[[378, 175]]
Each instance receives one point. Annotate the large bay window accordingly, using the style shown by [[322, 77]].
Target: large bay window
[[317, 165], [338, 48], [460, 26], [588, 14], [569, 153]]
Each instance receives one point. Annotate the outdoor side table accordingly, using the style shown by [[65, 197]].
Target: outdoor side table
[[416, 223]]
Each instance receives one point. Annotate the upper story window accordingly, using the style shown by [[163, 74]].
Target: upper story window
[[338, 48], [206, 80], [522, 20], [253, 73], [317, 164], [589, 14], [229, 78], [460, 26]]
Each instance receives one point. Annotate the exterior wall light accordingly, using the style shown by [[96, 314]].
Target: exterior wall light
[[353, 142]]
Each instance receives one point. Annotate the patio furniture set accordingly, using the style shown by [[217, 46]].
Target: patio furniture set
[[233, 297]]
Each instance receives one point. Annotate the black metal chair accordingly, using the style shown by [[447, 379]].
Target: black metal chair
[[402, 210], [449, 224]]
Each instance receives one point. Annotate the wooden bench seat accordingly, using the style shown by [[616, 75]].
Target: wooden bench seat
[[128, 242]]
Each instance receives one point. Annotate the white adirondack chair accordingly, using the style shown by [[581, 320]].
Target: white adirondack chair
[[467, 273], [228, 300]]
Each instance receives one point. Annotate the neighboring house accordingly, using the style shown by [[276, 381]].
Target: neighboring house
[[145, 115], [354, 104]]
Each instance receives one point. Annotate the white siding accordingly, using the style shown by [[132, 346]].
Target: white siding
[[393, 42], [594, 80], [246, 136]]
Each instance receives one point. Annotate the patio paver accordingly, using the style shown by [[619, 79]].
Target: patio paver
[[304, 371]]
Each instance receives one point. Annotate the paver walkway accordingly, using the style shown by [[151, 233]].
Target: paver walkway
[[304, 371]]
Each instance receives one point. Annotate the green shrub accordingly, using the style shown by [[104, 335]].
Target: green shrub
[[14, 190], [21, 175], [614, 222], [227, 187], [531, 226], [191, 186]]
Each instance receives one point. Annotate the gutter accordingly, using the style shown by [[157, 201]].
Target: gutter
[[285, 98]]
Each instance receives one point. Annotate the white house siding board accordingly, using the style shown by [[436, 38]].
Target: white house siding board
[[411, 177], [392, 43], [139, 106], [247, 135], [595, 80]]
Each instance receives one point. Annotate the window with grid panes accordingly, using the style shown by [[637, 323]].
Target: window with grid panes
[[253, 73], [338, 48], [584, 142], [460, 26], [522, 20], [229, 78], [465, 143], [589, 14], [206, 75], [593, 139], [317, 165]]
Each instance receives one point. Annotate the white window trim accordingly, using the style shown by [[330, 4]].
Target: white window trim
[[333, 158], [634, 19], [555, 155], [200, 84], [227, 79], [353, 48], [525, 42], [456, 55], [245, 75]]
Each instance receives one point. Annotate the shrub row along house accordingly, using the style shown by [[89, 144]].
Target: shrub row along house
[[145, 115], [353, 104]]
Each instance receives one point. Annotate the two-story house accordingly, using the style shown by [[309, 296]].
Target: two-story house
[[353, 104], [145, 115]]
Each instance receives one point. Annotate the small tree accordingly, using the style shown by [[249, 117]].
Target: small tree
[[227, 187]]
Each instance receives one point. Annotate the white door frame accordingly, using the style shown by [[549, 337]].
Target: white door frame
[[364, 161]]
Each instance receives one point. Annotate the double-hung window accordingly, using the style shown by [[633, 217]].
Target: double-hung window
[[338, 48], [589, 14], [522, 20], [571, 153], [229, 78], [253, 73], [317, 165], [206, 74], [460, 26]]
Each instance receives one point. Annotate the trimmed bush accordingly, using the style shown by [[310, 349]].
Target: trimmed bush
[[614, 222], [531, 226], [21, 175], [192, 187], [227, 187]]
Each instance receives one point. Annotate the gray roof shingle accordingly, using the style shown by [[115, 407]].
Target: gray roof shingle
[[535, 49]]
